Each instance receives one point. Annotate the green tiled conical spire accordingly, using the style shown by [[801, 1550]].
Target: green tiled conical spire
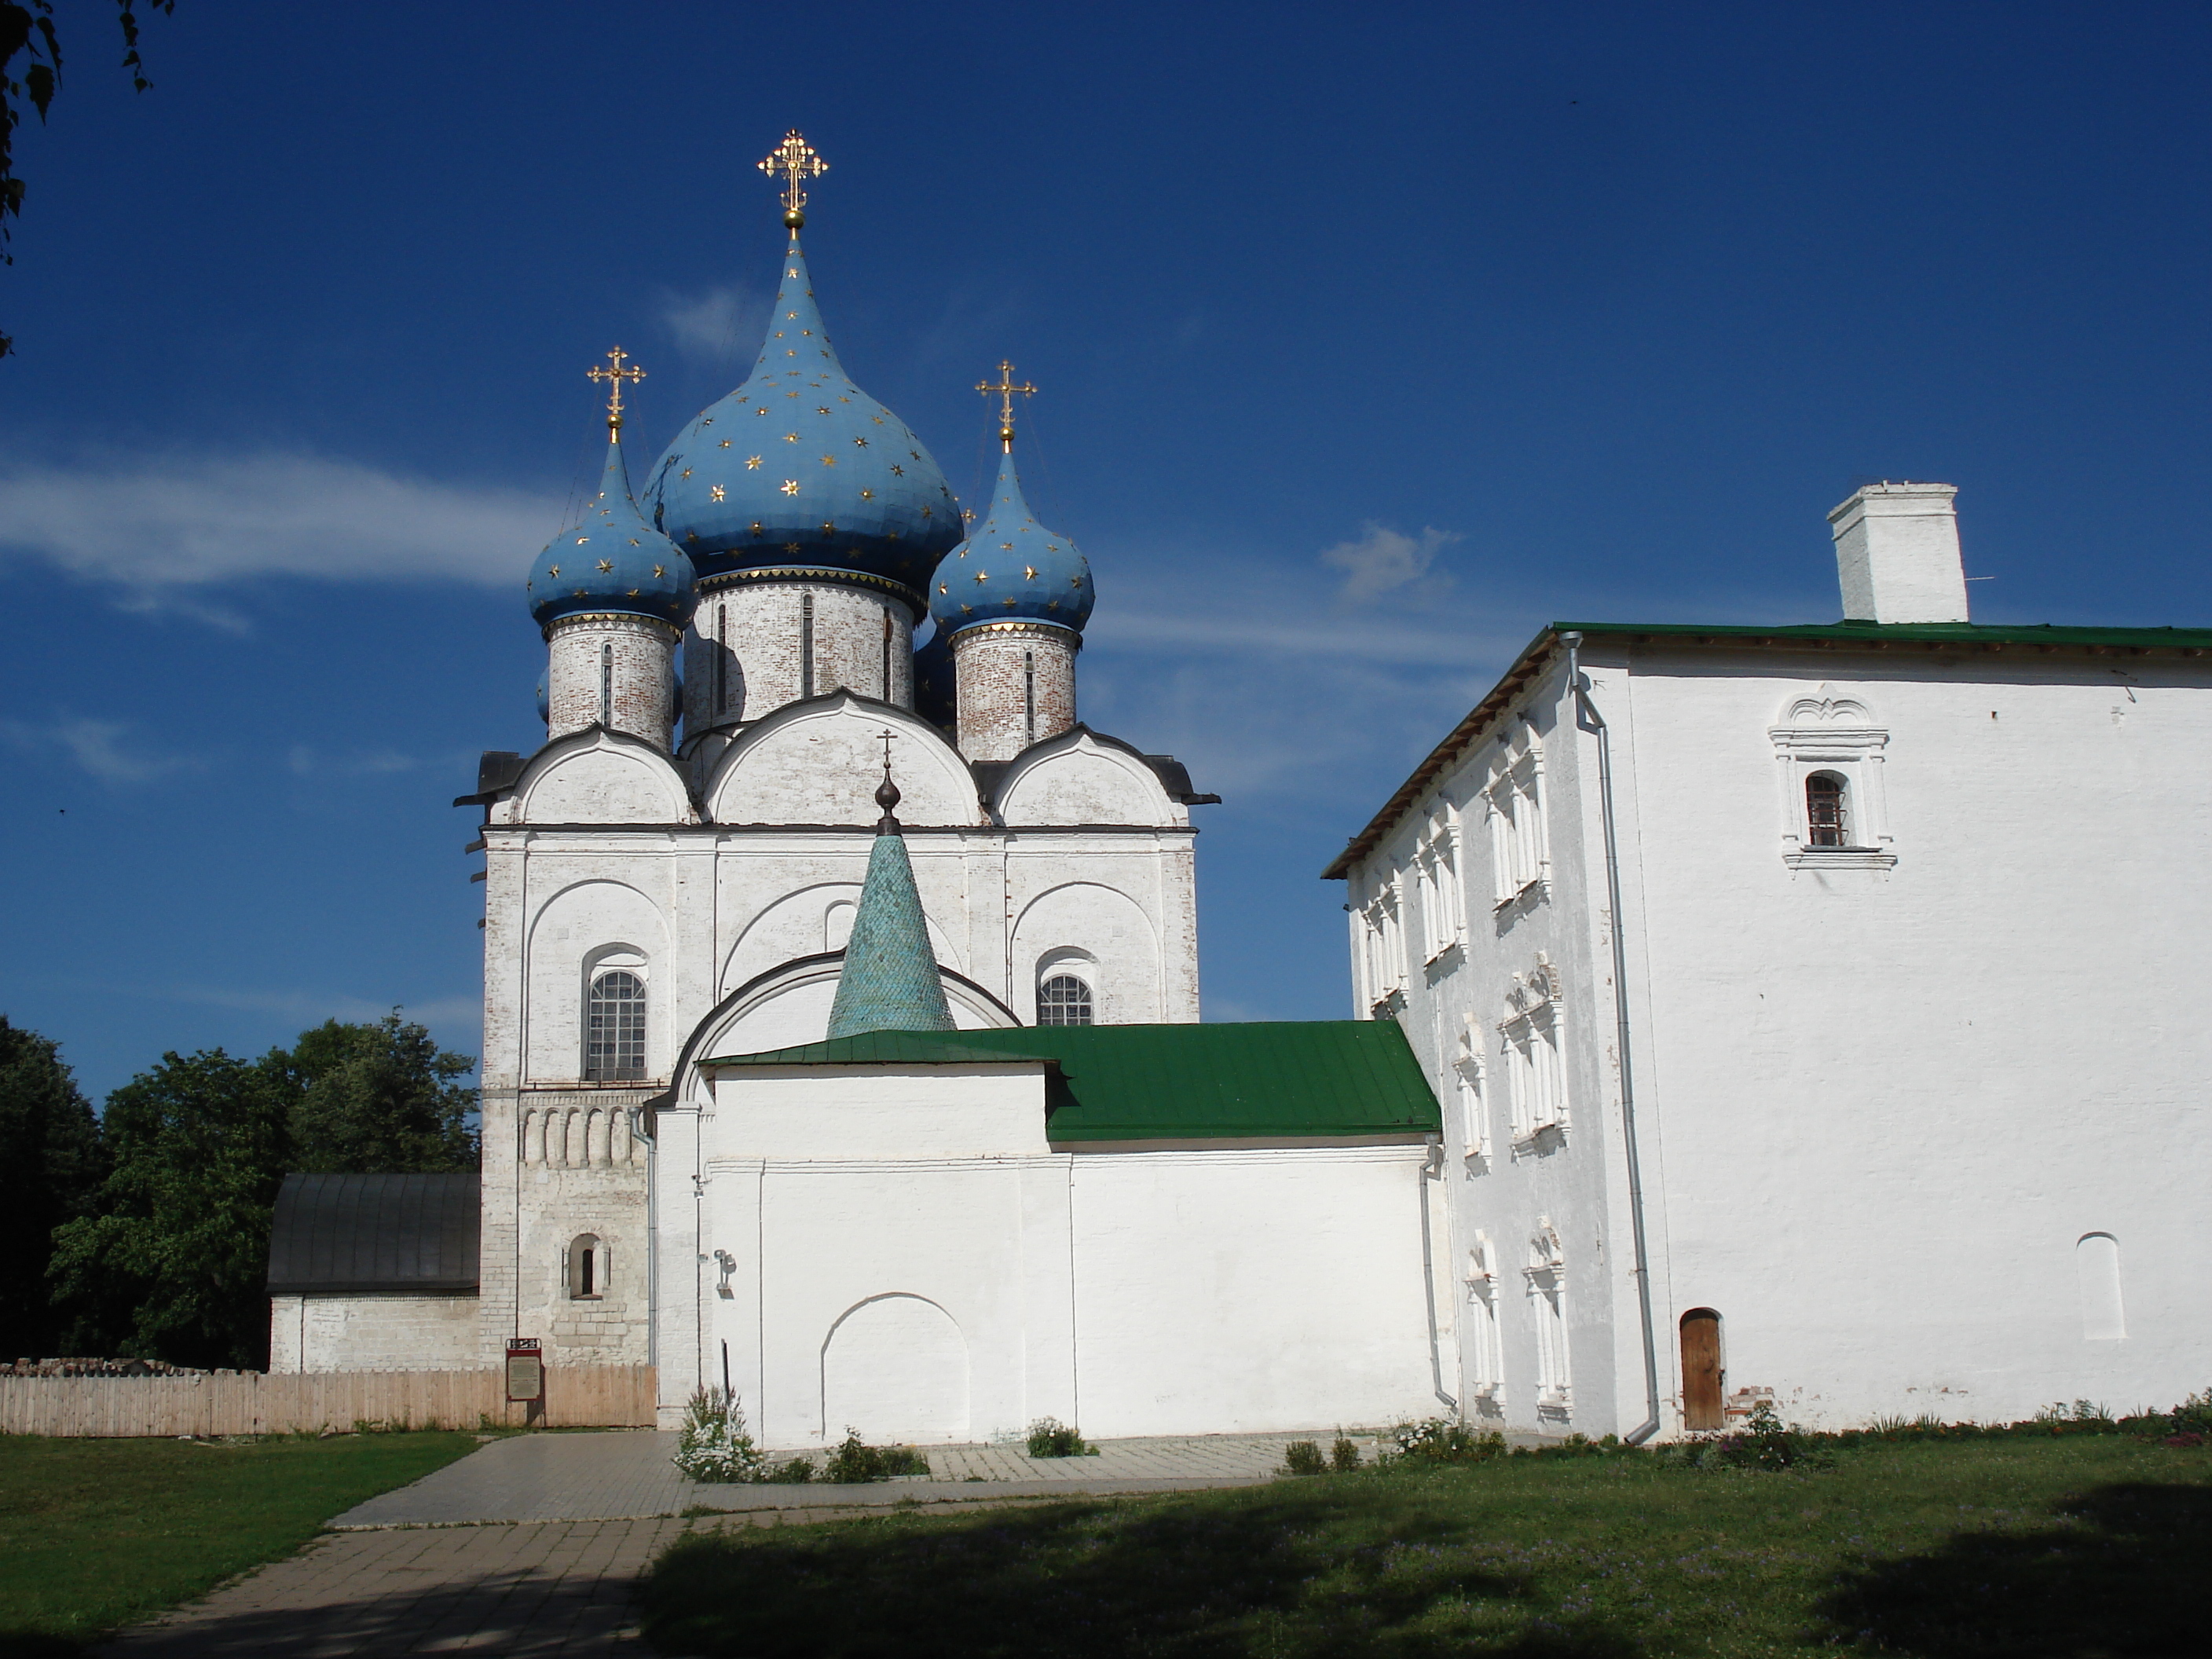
[[889, 981]]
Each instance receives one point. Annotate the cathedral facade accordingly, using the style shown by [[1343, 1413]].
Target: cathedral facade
[[903, 1123]]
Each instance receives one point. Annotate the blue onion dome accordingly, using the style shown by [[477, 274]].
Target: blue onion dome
[[612, 559], [1009, 567], [936, 696], [799, 469]]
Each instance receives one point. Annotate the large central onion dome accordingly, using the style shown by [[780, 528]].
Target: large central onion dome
[[1011, 567], [799, 469]]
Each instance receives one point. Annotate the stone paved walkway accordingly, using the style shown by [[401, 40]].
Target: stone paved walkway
[[623, 1476], [534, 1546]]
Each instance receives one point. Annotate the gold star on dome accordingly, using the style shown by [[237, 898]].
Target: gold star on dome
[[725, 443], [605, 565], [1009, 546], [982, 576], [555, 571], [687, 471], [633, 593], [757, 527], [752, 463], [791, 313], [898, 473], [819, 411], [715, 493], [867, 495], [967, 515], [1029, 571], [942, 589], [1076, 580], [791, 437], [762, 409], [791, 486], [859, 443], [925, 512], [829, 461], [658, 571], [791, 547], [580, 540]]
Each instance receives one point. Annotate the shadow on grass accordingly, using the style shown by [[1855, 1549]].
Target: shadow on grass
[[1103, 1581], [2119, 1571], [36, 1645]]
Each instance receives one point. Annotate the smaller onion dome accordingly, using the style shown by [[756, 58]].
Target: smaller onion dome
[[936, 696], [612, 559], [1009, 567]]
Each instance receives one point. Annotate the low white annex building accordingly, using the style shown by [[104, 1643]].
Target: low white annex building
[[1818, 1012], [907, 1123]]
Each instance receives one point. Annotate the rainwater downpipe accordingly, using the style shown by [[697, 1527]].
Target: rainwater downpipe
[[1432, 1169], [1590, 719]]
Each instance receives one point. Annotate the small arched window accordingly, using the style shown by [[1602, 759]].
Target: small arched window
[[1064, 999], [1828, 812], [587, 1268], [614, 1050]]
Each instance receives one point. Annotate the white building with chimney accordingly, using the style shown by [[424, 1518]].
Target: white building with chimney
[[1818, 1012]]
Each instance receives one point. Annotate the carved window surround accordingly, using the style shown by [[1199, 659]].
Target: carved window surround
[[1825, 732]]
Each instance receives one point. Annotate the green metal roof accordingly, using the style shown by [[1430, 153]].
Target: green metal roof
[[1332, 1079], [1868, 633]]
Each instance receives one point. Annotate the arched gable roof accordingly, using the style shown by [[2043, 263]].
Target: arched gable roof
[[597, 776], [1080, 776], [818, 761]]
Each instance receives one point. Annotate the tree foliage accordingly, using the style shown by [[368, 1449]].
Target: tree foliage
[[49, 1175], [173, 1263], [31, 72]]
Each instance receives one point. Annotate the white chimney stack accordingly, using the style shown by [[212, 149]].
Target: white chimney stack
[[1897, 554]]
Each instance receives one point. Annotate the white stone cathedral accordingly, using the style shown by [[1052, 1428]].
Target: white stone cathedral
[[688, 1164]]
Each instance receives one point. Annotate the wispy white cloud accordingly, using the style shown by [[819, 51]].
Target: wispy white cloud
[[716, 327], [186, 522], [98, 748], [1383, 560]]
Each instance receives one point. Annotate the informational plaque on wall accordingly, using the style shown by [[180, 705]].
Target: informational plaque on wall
[[525, 1369]]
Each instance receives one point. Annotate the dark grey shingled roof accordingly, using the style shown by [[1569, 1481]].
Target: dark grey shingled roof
[[376, 1232]]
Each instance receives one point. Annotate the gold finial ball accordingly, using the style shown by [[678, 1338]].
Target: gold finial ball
[[793, 217]]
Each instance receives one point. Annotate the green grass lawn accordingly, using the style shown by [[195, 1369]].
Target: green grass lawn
[[96, 1533], [2083, 1546]]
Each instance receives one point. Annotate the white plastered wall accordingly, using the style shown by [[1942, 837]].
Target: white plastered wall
[[899, 1251]]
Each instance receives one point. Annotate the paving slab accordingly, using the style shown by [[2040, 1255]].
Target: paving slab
[[629, 1474]]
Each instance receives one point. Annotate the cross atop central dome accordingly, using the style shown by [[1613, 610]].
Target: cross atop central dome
[[800, 470]]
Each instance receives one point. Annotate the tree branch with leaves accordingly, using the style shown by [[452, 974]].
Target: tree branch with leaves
[[31, 73]]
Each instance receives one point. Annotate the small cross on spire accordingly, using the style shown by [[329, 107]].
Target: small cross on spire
[[1006, 390], [616, 376], [795, 160]]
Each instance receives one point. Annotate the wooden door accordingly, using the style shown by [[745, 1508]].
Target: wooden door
[[1701, 1368]]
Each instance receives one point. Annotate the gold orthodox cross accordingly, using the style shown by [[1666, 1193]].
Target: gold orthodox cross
[[795, 160], [617, 374], [1006, 391]]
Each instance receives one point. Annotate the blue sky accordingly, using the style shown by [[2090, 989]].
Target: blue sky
[[1370, 339]]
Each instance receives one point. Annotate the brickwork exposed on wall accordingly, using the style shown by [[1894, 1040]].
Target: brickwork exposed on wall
[[372, 1333], [571, 1167], [1017, 686], [745, 653], [638, 656]]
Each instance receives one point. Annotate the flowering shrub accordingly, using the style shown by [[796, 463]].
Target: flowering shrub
[[1441, 1440], [1050, 1438], [714, 1444], [855, 1461]]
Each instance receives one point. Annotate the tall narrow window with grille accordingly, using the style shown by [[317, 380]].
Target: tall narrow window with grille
[[1473, 1113], [614, 1047], [1536, 1078], [1385, 952], [1513, 802], [1485, 1358], [1547, 1274], [1828, 811], [1436, 874]]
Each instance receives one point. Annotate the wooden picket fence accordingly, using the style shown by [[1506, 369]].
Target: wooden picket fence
[[249, 1402]]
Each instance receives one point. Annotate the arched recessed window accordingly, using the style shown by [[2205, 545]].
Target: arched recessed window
[[614, 1049], [1828, 812], [606, 685], [1064, 999], [587, 1268], [2097, 1271]]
